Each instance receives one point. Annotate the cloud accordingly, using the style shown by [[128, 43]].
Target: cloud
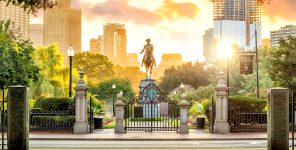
[[173, 10], [120, 10], [285, 9]]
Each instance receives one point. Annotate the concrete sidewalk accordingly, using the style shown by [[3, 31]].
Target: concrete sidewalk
[[109, 135]]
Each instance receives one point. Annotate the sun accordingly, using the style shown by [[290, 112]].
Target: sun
[[224, 50]]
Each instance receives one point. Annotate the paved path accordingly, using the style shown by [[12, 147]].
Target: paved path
[[108, 134]]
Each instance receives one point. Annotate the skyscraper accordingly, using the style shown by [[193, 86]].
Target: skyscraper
[[208, 46], [235, 22], [115, 43], [17, 15], [168, 60], [63, 25], [131, 59], [36, 34], [97, 45], [94, 45], [284, 32]]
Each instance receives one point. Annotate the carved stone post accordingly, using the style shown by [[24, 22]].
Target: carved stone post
[[184, 115], [81, 124], [278, 119], [221, 122], [119, 106], [18, 118]]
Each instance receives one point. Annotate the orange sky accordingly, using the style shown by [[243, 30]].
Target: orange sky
[[174, 26]]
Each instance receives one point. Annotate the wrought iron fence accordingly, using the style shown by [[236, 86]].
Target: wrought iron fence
[[247, 121], [52, 120]]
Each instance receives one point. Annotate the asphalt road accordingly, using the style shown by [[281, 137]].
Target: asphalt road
[[213, 144]]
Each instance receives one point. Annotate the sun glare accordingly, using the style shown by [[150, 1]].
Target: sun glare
[[224, 50]]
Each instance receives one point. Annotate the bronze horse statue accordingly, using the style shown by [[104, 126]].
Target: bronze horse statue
[[148, 59]]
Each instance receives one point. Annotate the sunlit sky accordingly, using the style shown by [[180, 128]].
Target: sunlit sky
[[174, 26]]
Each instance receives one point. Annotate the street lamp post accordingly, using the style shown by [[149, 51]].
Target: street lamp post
[[113, 88], [71, 55]]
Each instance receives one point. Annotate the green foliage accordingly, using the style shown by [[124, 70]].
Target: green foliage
[[282, 69], [32, 103], [200, 108], [97, 67], [247, 104], [16, 58], [32, 6], [55, 103], [54, 76], [133, 74], [195, 75], [146, 119], [203, 92], [61, 120], [97, 105], [105, 92]]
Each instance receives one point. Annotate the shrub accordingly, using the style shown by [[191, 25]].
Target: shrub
[[55, 103], [37, 102], [247, 104]]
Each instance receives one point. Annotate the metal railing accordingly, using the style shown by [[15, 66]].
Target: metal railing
[[52, 120], [247, 121]]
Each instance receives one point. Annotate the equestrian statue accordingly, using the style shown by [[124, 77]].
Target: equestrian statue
[[148, 59]]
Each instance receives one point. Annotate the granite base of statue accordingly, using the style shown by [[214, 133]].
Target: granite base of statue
[[148, 93]]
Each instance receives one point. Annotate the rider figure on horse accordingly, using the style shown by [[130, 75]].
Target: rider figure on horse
[[148, 59], [148, 49]]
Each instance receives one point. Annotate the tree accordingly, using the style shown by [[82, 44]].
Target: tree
[[53, 73], [32, 6], [195, 75], [133, 74], [97, 67], [105, 92], [282, 69], [16, 58]]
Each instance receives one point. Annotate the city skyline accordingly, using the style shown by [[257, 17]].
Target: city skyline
[[170, 31]]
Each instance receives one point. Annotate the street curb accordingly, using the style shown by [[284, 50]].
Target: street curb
[[137, 139]]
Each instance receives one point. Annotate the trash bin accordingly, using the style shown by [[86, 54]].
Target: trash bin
[[200, 122], [98, 122]]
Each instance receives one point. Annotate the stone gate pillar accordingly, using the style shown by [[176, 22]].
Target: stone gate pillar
[[221, 121], [184, 115], [81, 122], [278, 119], [18, 118], [119, 106]]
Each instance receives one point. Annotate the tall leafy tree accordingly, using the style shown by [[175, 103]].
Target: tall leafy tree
[[133, 74], [195, 75], [105, 92], [16, 58], [52, 72], [97, 67], [282, 69], [32, 6]]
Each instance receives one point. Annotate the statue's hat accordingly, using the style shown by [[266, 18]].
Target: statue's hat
[[148, 40]]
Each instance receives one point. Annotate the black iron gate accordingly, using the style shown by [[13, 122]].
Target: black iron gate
[[148, 113]]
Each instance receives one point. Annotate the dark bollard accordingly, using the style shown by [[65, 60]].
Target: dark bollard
[[18, 118]]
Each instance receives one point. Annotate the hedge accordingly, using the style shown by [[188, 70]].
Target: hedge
[[247, 104], [55, 103]]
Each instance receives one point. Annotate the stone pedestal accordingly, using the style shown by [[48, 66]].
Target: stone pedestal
[[81, 124], [221, 123], [184, 129], [119, 106], [278, 119], [147, 109], [18, 118]]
